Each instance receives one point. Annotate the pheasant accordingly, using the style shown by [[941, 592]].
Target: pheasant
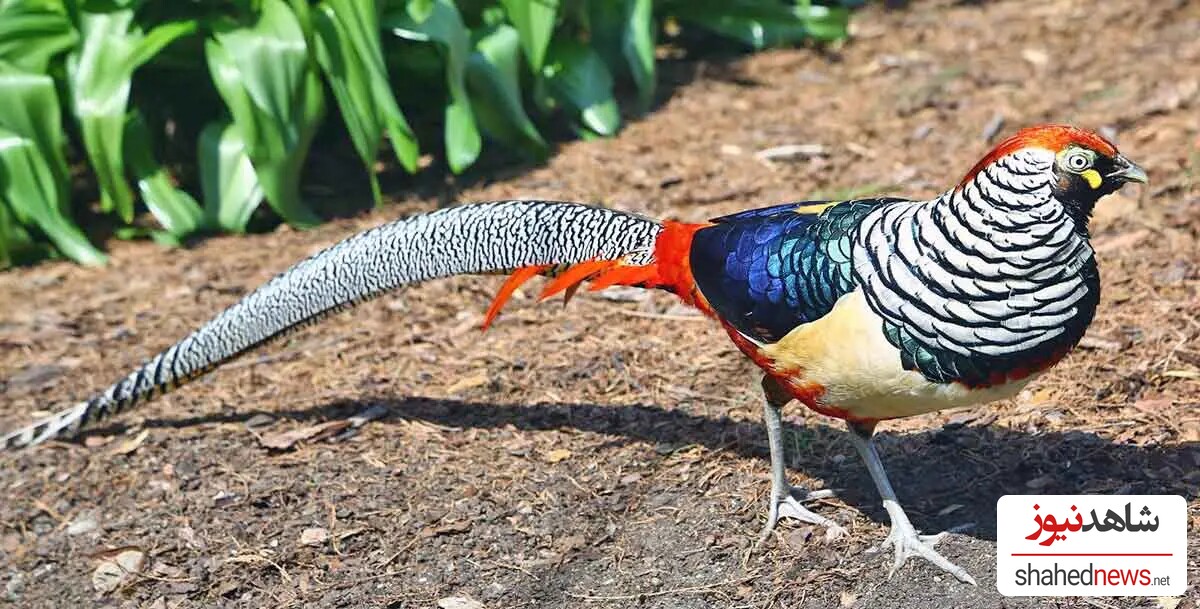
[[863, 310]]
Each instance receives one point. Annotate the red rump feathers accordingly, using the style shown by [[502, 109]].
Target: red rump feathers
[[670, 270], [1050, 137], [510, 285]]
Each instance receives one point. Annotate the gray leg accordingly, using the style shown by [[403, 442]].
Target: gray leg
[[782, 503], [903, 537]]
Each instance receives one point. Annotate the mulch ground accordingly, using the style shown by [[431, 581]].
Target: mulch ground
[[610, 454]]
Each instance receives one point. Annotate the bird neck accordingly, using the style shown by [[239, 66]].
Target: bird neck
[[976, 283]]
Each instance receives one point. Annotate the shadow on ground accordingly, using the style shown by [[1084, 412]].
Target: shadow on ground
[[968, 466]]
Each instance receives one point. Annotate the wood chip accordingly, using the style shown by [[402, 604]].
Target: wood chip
[[259, 420], [450, 528], [1037, 57], [131, 444], [1152, 406], [993, 127], [351, 533], [288, 439], [315, 536], [95, 441], [459, 602], [82, 525], [1039, 482], [471, 381], [556, 455], [1182, 374], [950, 509], [791, 152], [1102, 344], [115, 570], [375, 411]]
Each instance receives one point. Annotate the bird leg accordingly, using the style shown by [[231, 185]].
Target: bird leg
[[783, 502], [903, 537]]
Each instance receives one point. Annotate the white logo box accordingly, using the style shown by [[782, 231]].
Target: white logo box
[[1053, 545]]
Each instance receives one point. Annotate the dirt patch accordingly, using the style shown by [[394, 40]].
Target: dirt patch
[[611, 455]]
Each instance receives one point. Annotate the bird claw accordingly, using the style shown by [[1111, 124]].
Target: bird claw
[[903, 537], [927, 540], [907, 542], [785, 505]]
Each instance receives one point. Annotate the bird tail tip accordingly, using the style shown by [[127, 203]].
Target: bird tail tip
[[64, 422]]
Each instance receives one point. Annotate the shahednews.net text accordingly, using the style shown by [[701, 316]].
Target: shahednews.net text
[[1091, 576]]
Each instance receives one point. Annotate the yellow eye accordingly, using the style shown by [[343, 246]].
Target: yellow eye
[[1077, 161]]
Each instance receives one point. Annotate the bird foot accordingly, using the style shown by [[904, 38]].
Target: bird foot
[[908, 542], [784, 504]]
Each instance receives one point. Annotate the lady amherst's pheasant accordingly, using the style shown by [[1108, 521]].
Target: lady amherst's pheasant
[[863, 310]]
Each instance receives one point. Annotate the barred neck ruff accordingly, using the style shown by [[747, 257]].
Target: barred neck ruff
[[987, 283]]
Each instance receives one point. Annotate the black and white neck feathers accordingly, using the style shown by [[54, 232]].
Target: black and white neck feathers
[[987, 281]]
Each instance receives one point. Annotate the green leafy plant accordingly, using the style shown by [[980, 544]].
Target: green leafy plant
[[231, 188], [494, 84], [198, 112], [175, 210], [33, 168], [265, 75], [439, 21], [100, 73], [351, 57]]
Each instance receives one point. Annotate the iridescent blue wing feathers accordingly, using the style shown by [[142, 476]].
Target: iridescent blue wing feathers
[[767, 271]]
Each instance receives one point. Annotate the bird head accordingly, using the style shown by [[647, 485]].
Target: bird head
[[1079, 166]]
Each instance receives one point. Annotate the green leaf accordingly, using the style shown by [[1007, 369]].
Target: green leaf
[[175, 210], [7, 236], [99, 73], [419, 9], [494, 84], [263, 73], [350, 54], [99, 95], [33, 169], [637, 45], [576, 76], [131, 233], [764, 23], [16, 246], [443, 25], [622, 31], [462, 136], [534, 20], [156, 40], [227, 179], [605, 29], [32, 111], [826, 23], [32, 33]]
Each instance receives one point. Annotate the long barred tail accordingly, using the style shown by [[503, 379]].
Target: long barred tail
[[530, 237]]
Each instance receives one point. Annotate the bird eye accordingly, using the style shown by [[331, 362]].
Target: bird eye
[[1078, 161]]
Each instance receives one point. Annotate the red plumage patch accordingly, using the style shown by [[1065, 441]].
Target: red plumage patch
[[670, 270], [1030, 368], [510, 285], [1050, 137], [575, 275]]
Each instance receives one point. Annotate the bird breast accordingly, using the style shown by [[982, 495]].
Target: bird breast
[[860, 372]]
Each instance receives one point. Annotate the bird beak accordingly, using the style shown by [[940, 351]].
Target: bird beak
[[1128, 171]]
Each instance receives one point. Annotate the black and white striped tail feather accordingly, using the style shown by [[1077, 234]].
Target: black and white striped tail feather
[[470, 239]]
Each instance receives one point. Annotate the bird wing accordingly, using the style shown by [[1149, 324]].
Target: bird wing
[[766, 271]]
